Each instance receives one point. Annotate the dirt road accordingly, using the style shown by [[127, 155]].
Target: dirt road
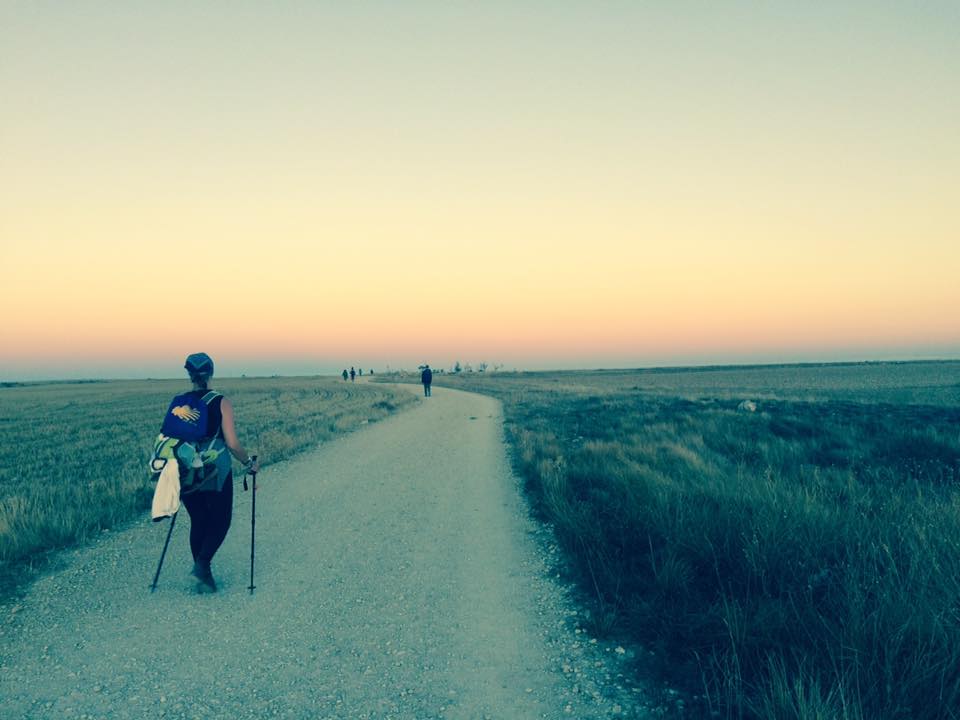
[[398, 576]]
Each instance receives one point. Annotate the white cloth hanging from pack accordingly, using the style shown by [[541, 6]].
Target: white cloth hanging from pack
[[166, 496]]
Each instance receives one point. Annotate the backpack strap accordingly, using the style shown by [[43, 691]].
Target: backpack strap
[[207, 399]]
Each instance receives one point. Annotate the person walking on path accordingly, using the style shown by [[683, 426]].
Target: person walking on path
[[345, 375], [210, 501], [426, 377], [353, 374]]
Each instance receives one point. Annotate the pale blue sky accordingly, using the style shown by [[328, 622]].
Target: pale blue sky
[[592, 183]]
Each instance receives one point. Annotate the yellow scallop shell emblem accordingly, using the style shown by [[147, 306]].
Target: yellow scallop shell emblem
[[186, 413]]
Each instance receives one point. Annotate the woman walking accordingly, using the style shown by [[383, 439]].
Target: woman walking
[[209, 501]]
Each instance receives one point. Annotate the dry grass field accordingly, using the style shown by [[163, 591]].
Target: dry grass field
[[801, 560], [75, 454]]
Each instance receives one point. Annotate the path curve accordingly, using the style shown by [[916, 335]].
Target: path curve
[[398, 576]]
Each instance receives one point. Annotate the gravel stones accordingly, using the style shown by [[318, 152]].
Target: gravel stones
[[399, 575]]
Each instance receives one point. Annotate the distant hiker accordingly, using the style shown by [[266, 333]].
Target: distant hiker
[[208, 494], [353, 374], [361, 372], [426, 377], [345, 375], [371, 371]]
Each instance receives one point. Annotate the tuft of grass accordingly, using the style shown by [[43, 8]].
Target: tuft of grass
[[798, 562], [75, 454]]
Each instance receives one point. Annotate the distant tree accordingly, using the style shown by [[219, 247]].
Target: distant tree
[[468, 368], [456, 367], [482, 367]]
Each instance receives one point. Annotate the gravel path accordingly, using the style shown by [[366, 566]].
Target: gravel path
[[398, 576]]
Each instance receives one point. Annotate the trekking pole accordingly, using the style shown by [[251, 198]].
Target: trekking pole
[[253, 520], [164, 553]]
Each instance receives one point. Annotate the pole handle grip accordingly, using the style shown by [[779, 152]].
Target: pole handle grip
[[253, 458]]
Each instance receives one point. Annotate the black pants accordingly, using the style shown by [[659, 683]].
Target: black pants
[[426, 389], [210, 515]]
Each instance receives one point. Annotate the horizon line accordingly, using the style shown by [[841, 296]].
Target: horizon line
[[4, 383]]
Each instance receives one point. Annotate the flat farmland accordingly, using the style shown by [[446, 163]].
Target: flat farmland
[[797, 557], [915, 383], [75, 455]]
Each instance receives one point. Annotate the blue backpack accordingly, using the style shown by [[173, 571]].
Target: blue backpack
[[184, 427], [186, 419]]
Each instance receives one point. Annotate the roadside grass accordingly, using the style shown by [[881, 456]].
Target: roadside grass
[[75, 454], [797, 562]]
